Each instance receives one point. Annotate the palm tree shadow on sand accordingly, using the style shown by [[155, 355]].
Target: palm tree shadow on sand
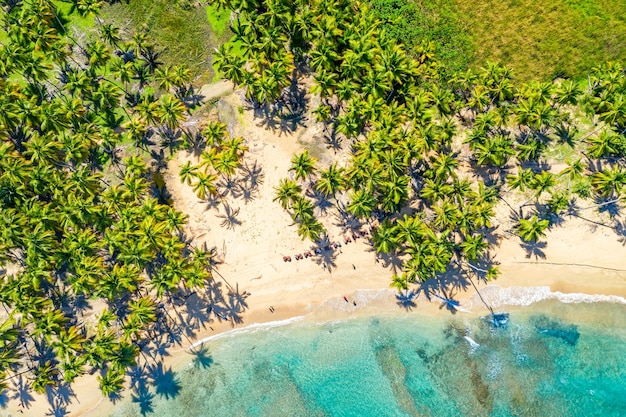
[[59, 398], [201, 357], [287, 113], [534, 249], [22, 392], [325, 254], [406, 299], [230, 220], [444, 287]]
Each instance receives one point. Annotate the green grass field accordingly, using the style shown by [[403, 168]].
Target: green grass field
[[539, 39], [185, 34]]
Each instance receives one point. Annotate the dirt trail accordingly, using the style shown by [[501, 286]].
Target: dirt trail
[[209, 91]]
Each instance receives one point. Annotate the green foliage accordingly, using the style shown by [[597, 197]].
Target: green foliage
[[538, 40], [179, 29], [74, 19], [412, 22], [218, 19], [541, 40], [79, 219]]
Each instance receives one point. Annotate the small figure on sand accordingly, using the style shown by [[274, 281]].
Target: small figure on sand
[[271, 309], [345, 298], [354, 302]]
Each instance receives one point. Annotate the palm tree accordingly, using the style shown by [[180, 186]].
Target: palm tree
[[45, 375], [287, 192], [310, 229], [49, 324], [385, 238], [574, 171], [170, 111], [494, 150], [568, 92], [435, 190], [227, 162], [214, 133], [609, 182], [531, 230], [523, 179], [543, 182], [302, 210], [362, 203], [474, 246], [605, 144], [558, 202], [530, 150], [330, 180], [204, 185], [188, 172], [303, 165], [443, 166], [395, 193], [112, 382]]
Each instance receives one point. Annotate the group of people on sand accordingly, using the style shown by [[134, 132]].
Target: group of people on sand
[[332, 246]]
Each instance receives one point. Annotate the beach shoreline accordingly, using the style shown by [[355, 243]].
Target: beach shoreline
[[580, 257], [370, 302]]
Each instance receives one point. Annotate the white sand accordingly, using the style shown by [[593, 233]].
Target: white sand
[[580, 257]]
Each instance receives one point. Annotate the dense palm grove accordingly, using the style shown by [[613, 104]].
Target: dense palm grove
[[432, 155], [84, 220]]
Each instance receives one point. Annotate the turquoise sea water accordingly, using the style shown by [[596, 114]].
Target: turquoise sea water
[[553, 359]]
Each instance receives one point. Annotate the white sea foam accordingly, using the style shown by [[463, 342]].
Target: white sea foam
[[362, 297], [471, 342], [496, 296], [248, 329]]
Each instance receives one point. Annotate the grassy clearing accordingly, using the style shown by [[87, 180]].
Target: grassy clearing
[[75, 20], [549, 38], [181, 31], [538, 39]]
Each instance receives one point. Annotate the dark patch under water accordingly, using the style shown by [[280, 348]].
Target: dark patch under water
[[555, 328], [537, 365]]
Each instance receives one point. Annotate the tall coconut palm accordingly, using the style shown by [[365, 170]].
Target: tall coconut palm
[[362, 203], [533, 229], [330, 180], [204, 185], [385, 238], [287, 192], [609, 182], [303, 165]]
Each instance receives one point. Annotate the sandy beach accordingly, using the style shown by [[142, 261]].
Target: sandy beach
[[580, 256]]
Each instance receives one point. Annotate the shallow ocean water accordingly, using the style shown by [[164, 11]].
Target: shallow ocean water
[[553, 359]]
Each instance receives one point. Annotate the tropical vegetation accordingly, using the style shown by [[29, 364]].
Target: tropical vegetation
[[432, 153], [84, 217]]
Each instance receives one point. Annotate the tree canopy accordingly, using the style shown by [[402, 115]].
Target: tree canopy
[[83, 220]]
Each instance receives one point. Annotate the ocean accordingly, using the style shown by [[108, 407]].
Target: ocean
[[558, 355]]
